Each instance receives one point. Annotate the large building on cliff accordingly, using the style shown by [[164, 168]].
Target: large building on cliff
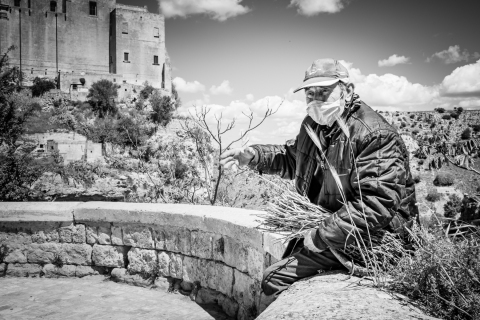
[[84, 41]]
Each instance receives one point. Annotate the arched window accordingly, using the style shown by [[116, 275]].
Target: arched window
[[53, 6]]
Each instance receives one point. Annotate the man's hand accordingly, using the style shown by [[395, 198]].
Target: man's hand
[[239, 156]]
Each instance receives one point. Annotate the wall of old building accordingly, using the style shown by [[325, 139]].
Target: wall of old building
[[84, 45], [141, 35]]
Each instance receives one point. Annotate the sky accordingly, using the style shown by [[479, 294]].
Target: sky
[[232, 56]]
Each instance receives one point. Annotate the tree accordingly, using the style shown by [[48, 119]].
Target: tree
[[217, 133], [18, 167], [102, 96], [163, 108], [146, 91], [42, 85], [176, 97], [467, 134], [440, 110]]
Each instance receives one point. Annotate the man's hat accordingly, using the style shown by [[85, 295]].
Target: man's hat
[[324, 72]]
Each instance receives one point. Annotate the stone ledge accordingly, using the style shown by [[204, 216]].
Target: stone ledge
[[37, 211], [335, 295]]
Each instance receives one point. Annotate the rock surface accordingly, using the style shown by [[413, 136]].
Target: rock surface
[[336, 296]]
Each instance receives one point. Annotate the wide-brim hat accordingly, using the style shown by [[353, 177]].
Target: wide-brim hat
[[324, 72]]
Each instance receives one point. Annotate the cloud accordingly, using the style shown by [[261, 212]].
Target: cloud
[[249, 97], [453, 55], [219, 10], [462, 82], [313, 7], [393, 60], [389, 90], [188, 87], [223, 88], [469, 103]]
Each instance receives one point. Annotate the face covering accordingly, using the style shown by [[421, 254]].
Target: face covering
[[325, 113]]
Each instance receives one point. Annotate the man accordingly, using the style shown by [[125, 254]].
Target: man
[[371, 162]]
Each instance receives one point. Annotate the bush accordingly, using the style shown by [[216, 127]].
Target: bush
[[416, 178], [446, 117], [453, 206], [102, 97], [41, 86], [467, 133], [415, 131], [459, 109], [163, 108], [440, 110], [403, 125], [412, 116], [444, 179], [433, 196], [476, 127], [454, 115], [432, 125], [146, 91]]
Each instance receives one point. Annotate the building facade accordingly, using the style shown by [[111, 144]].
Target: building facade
[[84, 41]]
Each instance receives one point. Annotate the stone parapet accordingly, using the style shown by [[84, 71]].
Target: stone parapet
[[212, 254]]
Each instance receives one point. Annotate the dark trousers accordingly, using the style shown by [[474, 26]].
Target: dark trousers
[[301, 263]]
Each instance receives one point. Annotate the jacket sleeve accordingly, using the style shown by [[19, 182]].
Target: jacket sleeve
[[276, 159], [378, 182]]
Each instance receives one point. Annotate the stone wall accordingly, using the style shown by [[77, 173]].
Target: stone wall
[[213, 254]]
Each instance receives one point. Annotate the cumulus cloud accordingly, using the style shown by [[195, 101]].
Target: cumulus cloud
[[469, 103], [223, 88], [188, 87], [313, 7], [249, 97], [453, 55], [219, 10], [462, 82], [393, 60], [389, 90]]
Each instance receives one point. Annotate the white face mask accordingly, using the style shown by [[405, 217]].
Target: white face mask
[[326, 113]]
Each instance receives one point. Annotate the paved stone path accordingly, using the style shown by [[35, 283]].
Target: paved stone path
[[93, 298]]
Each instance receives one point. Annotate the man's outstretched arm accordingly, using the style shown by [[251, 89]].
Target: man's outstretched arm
[[276, 159]]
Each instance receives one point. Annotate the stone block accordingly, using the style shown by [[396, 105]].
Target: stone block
[[218, 248], [23, 270], [161, 283], [224, 276], [245, 289], [16, 255], [10, 239], [173, 239], [229, 306], [202, 244], [43, 253], [72, 234], [122, 275], [77, 254], [255, 263], [117, 237], [52, 271], [274, 245], [109, 256], [189, 271], [207, 296], [176, 265], [235, 254], [83, 271], [164, 263], [138, 236], [142, 261], [98, 233], [211, 277]]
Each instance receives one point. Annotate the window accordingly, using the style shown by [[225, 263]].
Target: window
[[41, 146], [125, 27], [74, 87], [53, 6], [125, 56], [16, 3], [155, 60], [29, 4], [93, 8], [156, 32], [64, 6]]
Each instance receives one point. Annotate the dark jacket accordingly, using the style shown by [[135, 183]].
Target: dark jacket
[[387, 198]]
